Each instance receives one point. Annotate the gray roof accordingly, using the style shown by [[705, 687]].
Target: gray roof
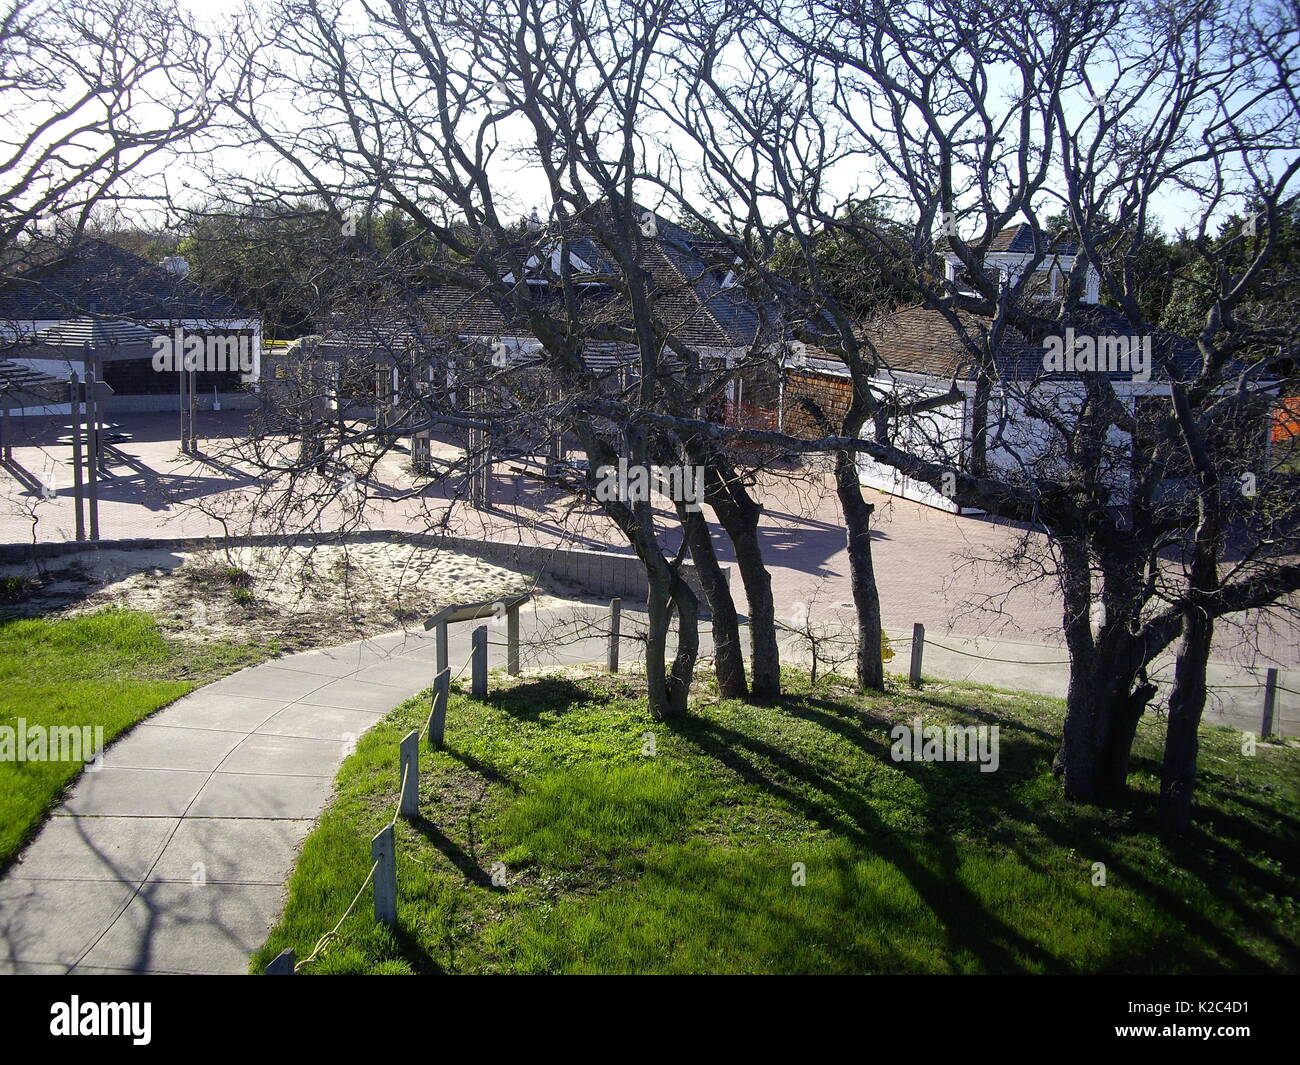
[[21, 386], [688, 271], [94, 278], [1019, 239]]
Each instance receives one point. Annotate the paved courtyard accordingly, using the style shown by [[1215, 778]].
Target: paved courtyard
[[926, 560]]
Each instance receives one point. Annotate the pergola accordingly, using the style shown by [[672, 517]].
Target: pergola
[[64, 363]]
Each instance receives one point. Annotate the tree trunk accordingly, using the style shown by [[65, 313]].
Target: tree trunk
[[765, 653], [1186, 704], [1109, 691], [656, 648], [1128, 702], [666, 694], [739, 514], [729, 661], [1076, 759], [1187, 699], [678, 689], [866, 597]]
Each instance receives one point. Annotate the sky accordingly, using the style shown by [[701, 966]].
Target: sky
[[519, 185]]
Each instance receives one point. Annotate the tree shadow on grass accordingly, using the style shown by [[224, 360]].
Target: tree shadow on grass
[[1187, 855], [967, 923], [529, 700], [959, 801], [454, 853], [475, 765], [980, 714], [413, 951], [1021, 761]]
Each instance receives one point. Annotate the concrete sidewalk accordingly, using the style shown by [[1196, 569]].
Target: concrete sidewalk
[[1236, 692], [173, 857]]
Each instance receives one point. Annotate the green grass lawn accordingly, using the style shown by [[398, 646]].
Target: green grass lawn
[[682, 862], [111, 669]]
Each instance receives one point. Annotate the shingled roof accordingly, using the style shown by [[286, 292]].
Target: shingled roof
[[922, 341], [95, 278], [21, 386], [692, 301], [1018, 239]]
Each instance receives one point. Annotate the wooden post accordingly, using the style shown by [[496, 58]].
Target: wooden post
[[1270, 704], [438, 714], [6, 432], [478, 685], [383, 852], [440, 647], [77, 494], [512, 640], [918, 649], [471, 448], [92, 451], [409, 767], [180, 395], [615, 619], [282, 964], [194, 436]]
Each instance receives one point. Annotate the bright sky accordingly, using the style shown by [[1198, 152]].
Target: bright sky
[[517, 183]]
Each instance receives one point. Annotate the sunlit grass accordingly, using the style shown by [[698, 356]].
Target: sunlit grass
[[565, 831], [110, 670]]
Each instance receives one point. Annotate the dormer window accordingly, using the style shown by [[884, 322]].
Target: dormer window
[[962, 281], [1014, 251], [534, 274]]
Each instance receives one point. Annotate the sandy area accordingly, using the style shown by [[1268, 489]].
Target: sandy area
[[300, 597]]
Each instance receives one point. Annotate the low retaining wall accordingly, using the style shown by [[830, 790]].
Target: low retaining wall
[[155, 404], [602, 573]]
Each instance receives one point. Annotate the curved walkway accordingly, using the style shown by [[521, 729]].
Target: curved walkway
[[172, 858]]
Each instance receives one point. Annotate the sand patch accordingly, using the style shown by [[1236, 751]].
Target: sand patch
[[298, 597]]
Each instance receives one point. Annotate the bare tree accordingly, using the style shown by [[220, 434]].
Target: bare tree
[[92, 92], [968, 119], [417, 108]]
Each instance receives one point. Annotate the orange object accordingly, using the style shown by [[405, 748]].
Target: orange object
[[1286, 419]]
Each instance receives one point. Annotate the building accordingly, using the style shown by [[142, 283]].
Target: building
[[926, 367], [696, 300], [143, 323]]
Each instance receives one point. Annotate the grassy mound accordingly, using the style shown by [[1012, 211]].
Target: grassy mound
[[563, 830]]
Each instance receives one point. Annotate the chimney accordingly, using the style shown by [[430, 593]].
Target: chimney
[[176, 266]]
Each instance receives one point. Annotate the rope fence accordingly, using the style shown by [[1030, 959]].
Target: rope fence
[[383, 851]]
